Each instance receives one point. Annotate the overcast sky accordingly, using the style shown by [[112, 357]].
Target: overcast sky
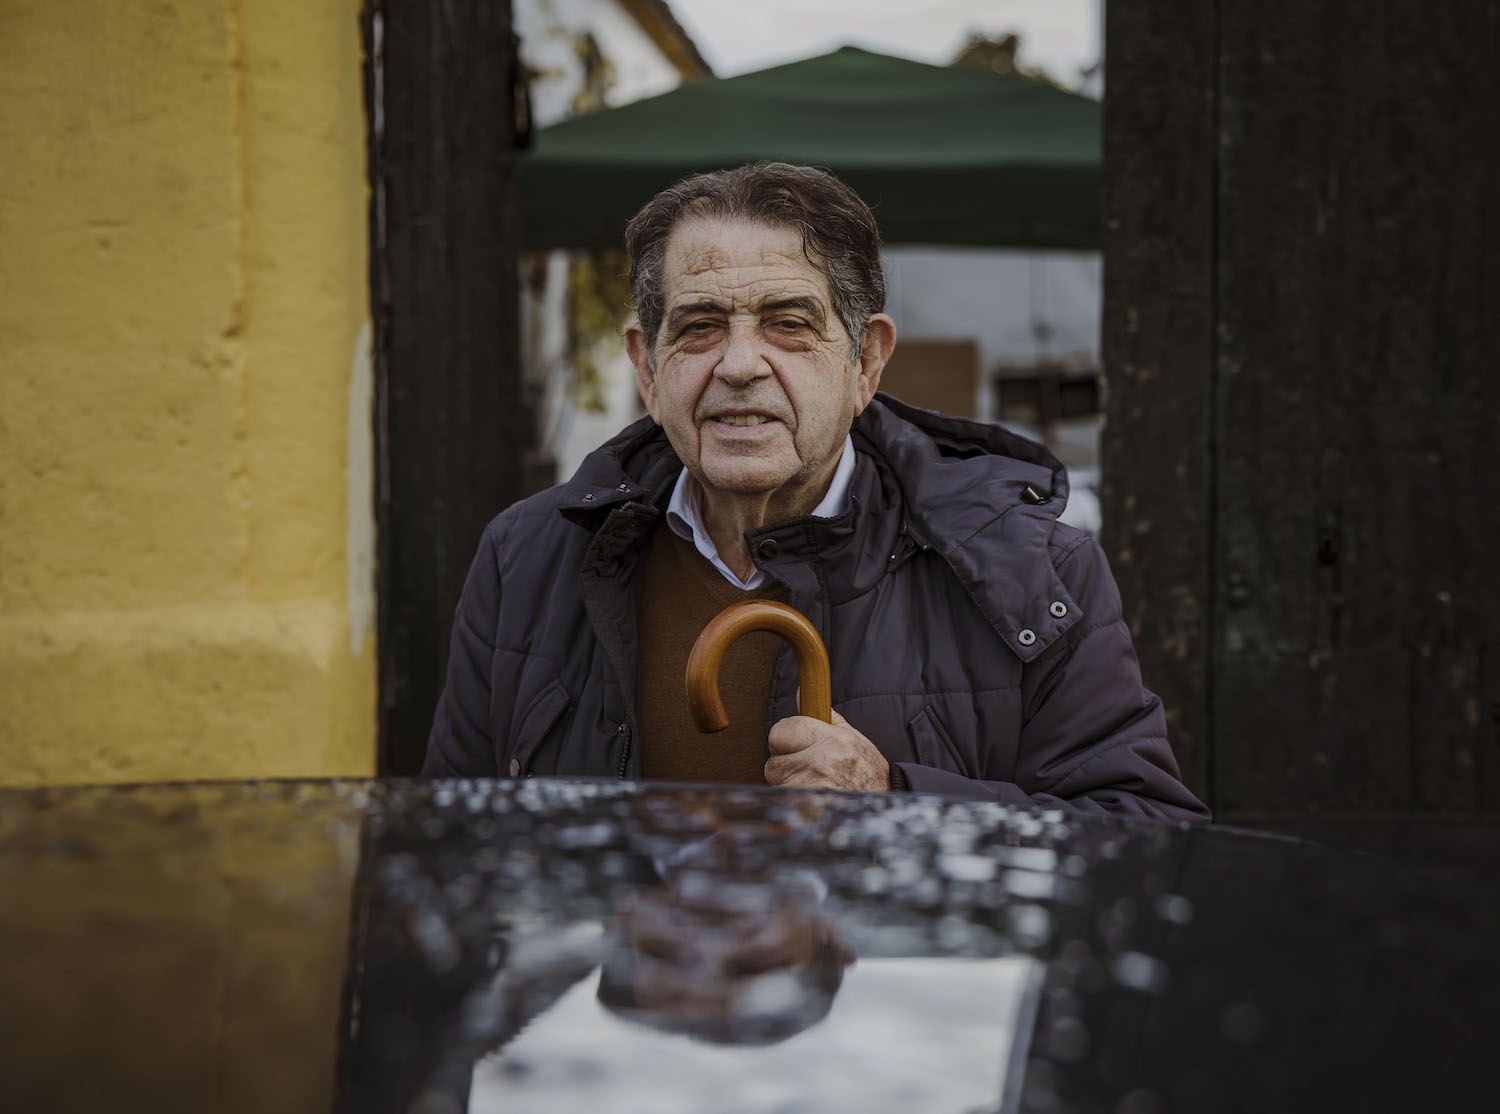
[[737, 36]]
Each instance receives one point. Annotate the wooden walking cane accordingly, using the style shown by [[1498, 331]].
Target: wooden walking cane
[[739, 619]]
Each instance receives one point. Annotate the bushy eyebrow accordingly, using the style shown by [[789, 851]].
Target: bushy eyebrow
[[809, 306], [681, 314]]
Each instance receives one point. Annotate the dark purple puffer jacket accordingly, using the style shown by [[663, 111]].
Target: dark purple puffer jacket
[[974, 639]]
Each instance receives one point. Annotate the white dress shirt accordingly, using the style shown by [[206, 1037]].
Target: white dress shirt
[[685, 515]]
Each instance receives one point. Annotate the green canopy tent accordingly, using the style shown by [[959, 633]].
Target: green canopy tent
[[944, 155]]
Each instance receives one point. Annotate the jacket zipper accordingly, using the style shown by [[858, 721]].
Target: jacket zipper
[[625, 751]]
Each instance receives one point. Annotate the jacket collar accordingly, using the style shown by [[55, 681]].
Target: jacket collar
[[950, 471], [849, 550], [638, 464], [984, 498]]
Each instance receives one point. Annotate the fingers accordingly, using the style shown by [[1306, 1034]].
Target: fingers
[[807, 753], [792, 771], [800, 732], [796, 733], [779, 771]]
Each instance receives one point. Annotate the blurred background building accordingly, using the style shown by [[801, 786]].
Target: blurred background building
[[582, 56]]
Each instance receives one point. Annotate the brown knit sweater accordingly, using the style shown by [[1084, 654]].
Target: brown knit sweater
[[681, 592]]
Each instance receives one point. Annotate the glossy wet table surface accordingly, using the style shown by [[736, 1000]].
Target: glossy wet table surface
[[554, 946]]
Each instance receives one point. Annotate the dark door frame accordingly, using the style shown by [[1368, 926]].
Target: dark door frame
[[444, 95]]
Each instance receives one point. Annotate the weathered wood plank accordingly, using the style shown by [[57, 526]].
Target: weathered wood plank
[[1357, 456], [451, 431], [1302, 460], [1489, 730], [1272, 140], [1446, 727], [1158, 349], [1315, 733]]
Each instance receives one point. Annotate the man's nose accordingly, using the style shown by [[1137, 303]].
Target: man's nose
[[743, 361]]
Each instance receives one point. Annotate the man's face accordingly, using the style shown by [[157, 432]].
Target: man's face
[[753, 376]]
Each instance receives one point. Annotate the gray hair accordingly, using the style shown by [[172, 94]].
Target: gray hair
[[839, 234]]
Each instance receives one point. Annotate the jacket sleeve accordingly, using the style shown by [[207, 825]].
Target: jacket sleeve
[[460, 744], [1092, 737]]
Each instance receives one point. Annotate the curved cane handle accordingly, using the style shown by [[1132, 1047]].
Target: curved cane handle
[[741, 618]]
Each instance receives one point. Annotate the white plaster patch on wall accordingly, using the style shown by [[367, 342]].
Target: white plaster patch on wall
[[359, 472]]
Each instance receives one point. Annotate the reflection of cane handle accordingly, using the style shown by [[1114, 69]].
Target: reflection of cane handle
[[742, 618]]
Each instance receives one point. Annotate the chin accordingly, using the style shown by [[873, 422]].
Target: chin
[[737, 479]]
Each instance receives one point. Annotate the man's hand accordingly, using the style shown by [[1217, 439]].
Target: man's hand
[[809, 754]]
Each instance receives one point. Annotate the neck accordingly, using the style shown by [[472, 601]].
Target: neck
[[728, 516]]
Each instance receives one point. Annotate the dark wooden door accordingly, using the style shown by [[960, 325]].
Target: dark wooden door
[[446, 109], [1302, 461]]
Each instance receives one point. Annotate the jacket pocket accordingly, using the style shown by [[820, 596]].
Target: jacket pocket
[[933, 744], [540, 723]]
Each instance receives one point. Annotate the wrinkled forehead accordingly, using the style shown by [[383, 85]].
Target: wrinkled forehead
[[738, 260]]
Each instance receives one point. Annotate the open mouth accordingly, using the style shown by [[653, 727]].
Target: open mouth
[[743, 419]]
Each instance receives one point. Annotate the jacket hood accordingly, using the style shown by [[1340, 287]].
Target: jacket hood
[[958, 475]]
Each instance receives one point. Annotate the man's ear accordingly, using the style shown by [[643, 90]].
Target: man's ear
[[875, 351], [640, 355]]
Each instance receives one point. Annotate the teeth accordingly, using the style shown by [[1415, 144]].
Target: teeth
[[744, 419]]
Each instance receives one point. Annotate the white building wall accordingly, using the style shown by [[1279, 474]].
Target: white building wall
[[1020, 308], [550, 31]]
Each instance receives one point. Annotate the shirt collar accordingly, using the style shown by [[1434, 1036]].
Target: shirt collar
[[685, 515]]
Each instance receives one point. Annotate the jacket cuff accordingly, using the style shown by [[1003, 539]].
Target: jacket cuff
[[929, 779], [899, 784]]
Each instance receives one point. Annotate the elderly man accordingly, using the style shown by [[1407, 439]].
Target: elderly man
[[977, 645]]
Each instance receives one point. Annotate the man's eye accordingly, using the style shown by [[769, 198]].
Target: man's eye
[[699, 327], [790, 325]]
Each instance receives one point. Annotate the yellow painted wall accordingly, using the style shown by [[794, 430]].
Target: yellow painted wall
[[185, 504]]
